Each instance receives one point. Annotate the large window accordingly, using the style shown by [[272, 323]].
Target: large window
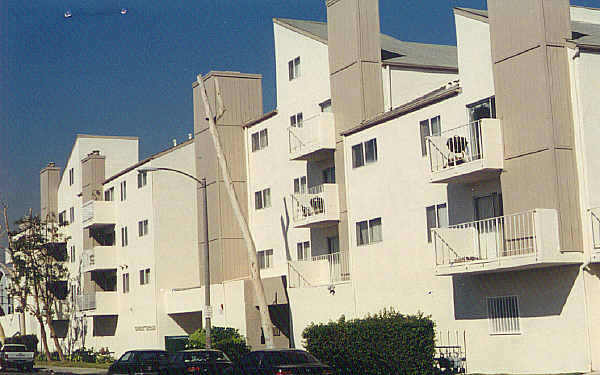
[[485, 108], [142, 228], [300, 185], [126, 283], [124, 239], [432, 126], [109, 194], [368, 232], [142, 179], [503, 315], [437, 217], [123, 190], [265, 259], [364, 153], [296, 120], [262, 199], [260, 140], [294, 68], [303, 249]]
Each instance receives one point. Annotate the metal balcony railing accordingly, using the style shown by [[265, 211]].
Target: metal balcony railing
[[310, 204], [306, 273], [455, 146], [313, 133], [88, 258], [595, 221], [87, 211], [489, 239], [86, 301]]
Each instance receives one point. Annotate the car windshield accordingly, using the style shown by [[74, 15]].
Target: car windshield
[[14, 348], [204, 356], [289, 358]]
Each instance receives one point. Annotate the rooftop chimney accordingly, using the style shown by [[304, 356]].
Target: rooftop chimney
[[49, 180]]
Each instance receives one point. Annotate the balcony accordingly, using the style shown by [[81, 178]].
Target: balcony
[[468, 153], [100, 258], [319, 207], [319, 270], [98, 214], [98, 303], [595, 223], [506, 243], [314, 140]]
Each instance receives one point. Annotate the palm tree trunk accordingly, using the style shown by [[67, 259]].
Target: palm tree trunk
[[259, 290], [61, 355]]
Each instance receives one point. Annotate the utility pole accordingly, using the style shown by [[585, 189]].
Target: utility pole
[[207, 308], [259, 290]]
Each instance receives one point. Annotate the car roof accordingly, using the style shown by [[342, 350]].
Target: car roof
[[279, 350], [147, 351], [199, 350]]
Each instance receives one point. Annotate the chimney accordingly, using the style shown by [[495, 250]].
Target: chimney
[[49, 180], [92, 176], [531, 78]]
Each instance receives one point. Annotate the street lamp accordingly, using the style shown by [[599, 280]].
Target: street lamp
[[202, 183]]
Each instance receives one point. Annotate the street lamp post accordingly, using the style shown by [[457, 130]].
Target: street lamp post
[[207, 308]]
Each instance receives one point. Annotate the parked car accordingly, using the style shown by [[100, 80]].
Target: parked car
[[16, 356], [281, 362], [139, 362], [200, 362]]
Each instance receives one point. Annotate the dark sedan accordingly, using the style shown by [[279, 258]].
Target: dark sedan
[[200, 362], [141, 362], [281, 362]]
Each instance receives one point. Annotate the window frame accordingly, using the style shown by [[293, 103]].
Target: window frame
[[142, 179], [436, 211], [294, 68], [71, 177], [124, 236], [297, 120], [265, 259], [303, 248], [368, 240], [427, 125], [71, 215], [259, 140], [109, 194], [504, 315], [359, 153], [142, 228], [302, 185], [262, 199], [144, 276], [125, 282], [123, 185]]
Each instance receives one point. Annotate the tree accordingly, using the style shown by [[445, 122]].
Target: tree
[[228, 340], [37, 274]]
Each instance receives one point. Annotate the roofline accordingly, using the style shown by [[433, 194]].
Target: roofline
[[428, 99], [148, 159], [445, 69], [588, 47], [583, 6], [227, 73], [280, 22], [469, 14], [262, 118]]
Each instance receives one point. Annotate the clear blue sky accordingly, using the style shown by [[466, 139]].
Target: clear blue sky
[[103, 73]]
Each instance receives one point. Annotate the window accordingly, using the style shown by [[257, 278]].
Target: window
[[432, 126], [126, 283], [144, 276], [260, 140], [72, 255], [485, 108], [329, 175], [142, 179], [303, 250], [62, 218], [265, 259], [71, 177], [368, 232], [142, 228], [437, 217], [123, 190], [109, 194], [296, 120], [72, 214], [364, 153], [503, 315], [300, 185], [262, 199], [124, 239], [294, 68]]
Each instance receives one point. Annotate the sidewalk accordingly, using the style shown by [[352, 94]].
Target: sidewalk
[[70, 370]]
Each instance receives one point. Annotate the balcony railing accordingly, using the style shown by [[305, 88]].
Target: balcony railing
[[318, 205], [319, 270], [86, 301], [312, 135], [595, 219], [452, 153], [518, 241], [99, 213]]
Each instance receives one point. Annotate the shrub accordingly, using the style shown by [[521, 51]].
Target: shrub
[[386, 343], [30, 341], [228, 340]]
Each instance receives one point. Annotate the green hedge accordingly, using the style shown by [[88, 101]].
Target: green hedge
[[30, 341], [386, 343], [228, 340]]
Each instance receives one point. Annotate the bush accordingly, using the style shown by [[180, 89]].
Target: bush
[[30, 341], [386, 343], [228, 340]]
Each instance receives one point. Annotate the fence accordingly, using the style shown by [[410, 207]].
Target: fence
[[455, 146]]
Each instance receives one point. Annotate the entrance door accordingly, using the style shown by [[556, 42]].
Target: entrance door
[[489, 226]]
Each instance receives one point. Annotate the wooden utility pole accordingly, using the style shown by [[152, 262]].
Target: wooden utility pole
[[259, 290]]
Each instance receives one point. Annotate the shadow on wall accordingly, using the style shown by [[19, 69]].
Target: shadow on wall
[[541, 292], [594, 270], [285, 228], [189, 322]]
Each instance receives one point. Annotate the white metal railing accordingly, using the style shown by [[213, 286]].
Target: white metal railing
[[308, 133], [595, 218], [456, 146], [87, 211], [489, 239], [337, 270], [86, 301], [311, 203]]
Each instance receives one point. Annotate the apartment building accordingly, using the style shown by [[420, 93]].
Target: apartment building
[[456, 181]]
